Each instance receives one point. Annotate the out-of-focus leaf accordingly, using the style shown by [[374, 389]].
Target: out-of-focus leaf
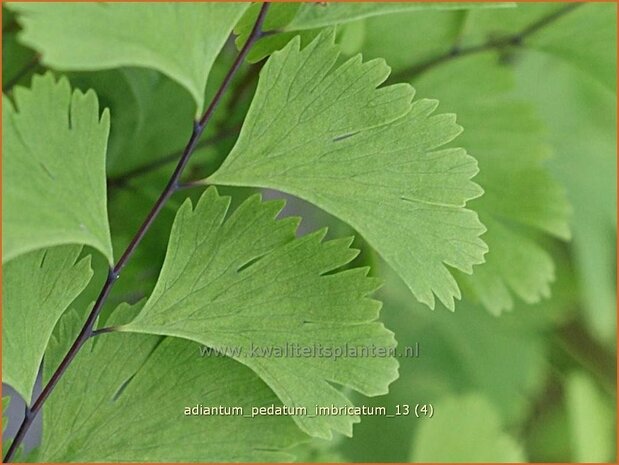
[[547, 438], [314, 15], [152, 119], [151, 115], [502, 359], [581, 117], [319, 451], [579, 34], [488, 25], [406, 39], [586, 39], [464, 429], [474, 351], [591, 419]]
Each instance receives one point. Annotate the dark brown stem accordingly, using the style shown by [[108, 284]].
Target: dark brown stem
[[499, 43], [114, 273]]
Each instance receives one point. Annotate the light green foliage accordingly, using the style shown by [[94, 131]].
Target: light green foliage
[[53, 189], [433, 33], [368, 156], [487, 25], [504, 124], [246, 282], [284, 21], [522, 200], [319, 451], [312, 15], [521, 197], [591, 421], [124, 398], [579, 36], [464, 429], [231, 313], [504, 360], [180, 40], [350, 36], [583, 39], [37, 288], [581, 117], [152, 115], [278, 16]]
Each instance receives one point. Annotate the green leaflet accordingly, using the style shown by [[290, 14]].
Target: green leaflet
[[368, 156], [53, 173], [124, 397], [180, 40], [591, 420], [246, 282], [464, 429], [521, 198], [38, 287]]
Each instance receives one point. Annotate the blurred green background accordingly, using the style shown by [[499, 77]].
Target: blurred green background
[[534, 382]]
